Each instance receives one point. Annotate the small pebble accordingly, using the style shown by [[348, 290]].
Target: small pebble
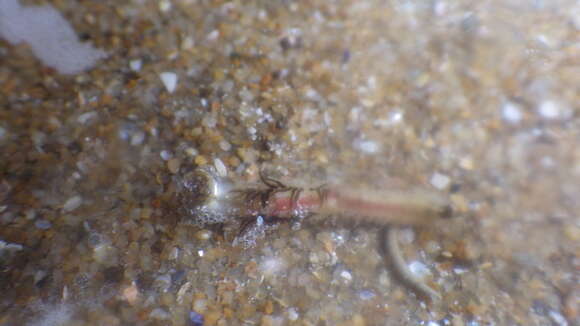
[[85, 117], [169, 80], [190, 151], [346, 275], [225, 146], [43, 224], [440, 181], [511, 112], [220, 167], [165, 155], [557, 318], [159, 313], [164, 5], [195, 319], [135, 65], [292, 314], [137, 138], [200, 305], [173, 165], [551, 110], [366, 295], [418, 268], [131, 293], [200, 160], [203, 235], [367, 146], [72, 203]]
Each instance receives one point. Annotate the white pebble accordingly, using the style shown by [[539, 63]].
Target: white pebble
[[440, 181], [137, 138], [550, 109], [83, 118], [135, 65], [169, 80], [511, 112], [200, 306], [191, 151], [159, 313], [272, 265], [367, 146], [165, 155], [292, 314], [213, 35], [220, 167], [72, 203], [225, 146], [418, 268], [164, 5], [557, 318], [346, 275]]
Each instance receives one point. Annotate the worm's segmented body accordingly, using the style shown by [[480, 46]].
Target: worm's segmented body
[[273, 202]]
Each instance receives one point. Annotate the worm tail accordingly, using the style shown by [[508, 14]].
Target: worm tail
[[389, 244]]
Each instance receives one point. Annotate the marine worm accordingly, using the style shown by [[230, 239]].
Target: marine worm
[[389, 245], [390, 209]]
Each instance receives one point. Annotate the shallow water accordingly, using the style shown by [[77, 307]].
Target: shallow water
[[475, 101]]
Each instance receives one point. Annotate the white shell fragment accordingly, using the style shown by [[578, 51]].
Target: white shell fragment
[[169, 80]]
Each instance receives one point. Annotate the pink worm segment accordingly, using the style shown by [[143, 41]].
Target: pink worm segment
[[307, 202], [383, 207]]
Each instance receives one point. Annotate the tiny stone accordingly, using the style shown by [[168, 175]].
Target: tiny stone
[[224, 145], [511, 113], [173, 165], [72, 203], [220, 167], [292, 314], [135, 65], [212, 317], [418, 268], [165, 155], [366, 294], [159, 313], [557, 318], [200, 160], [131, 293], [164, 5], [137, 138], [85, 117], [30, 214], [169, 80], [190, 151], [346, 275], [203, 235], [440, 181], [200, 305], [550, 109], [358, 320], [43, 224], [367, 146], [466, 163], [195, 319]]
